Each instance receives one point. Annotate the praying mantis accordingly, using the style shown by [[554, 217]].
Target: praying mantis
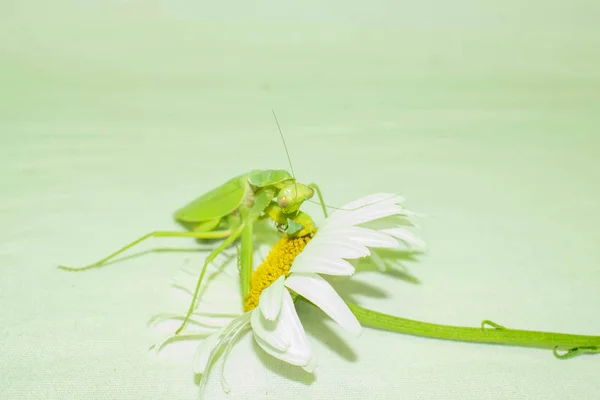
[[230, 211]]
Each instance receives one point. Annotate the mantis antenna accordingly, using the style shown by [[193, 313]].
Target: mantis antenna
[[287, 153]]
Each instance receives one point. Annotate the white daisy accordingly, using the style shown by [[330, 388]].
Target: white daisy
[[292, 269]]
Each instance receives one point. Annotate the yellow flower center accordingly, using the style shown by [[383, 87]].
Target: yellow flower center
[[278, 263]]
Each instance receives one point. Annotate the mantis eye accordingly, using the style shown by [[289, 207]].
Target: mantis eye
[[283, 202]]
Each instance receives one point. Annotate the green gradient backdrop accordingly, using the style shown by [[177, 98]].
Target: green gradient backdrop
[[484, 114]]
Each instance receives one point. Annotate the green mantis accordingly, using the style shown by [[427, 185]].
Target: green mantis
[[230, 211]]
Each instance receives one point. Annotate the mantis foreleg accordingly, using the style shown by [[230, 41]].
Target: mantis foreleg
[[220, 234], [260, 204]]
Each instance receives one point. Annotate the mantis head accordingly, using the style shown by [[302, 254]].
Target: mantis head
[[292, 195]]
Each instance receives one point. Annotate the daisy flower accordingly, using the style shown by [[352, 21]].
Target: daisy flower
[[293, 268]]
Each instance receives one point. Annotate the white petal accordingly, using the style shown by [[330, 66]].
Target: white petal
[[376, 198], [364, 214], [287, 325], [203, 351], [405, 236], [312, 364], [326, 252], [334, 246], [359, 235], [270, 299], [324, 258], [318, 291], [308, 262], [267, 330], [389, 222], [338, 248]]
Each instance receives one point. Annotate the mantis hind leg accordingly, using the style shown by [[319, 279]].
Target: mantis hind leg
[[218, 234], [320, 196], [226, 243]]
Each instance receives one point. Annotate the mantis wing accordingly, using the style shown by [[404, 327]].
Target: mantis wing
[[217, 203], [268, 177]]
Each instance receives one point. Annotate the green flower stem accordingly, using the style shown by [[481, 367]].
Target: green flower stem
[[489, 332]]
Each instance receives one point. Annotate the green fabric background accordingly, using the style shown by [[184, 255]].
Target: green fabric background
[[484, 114]]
